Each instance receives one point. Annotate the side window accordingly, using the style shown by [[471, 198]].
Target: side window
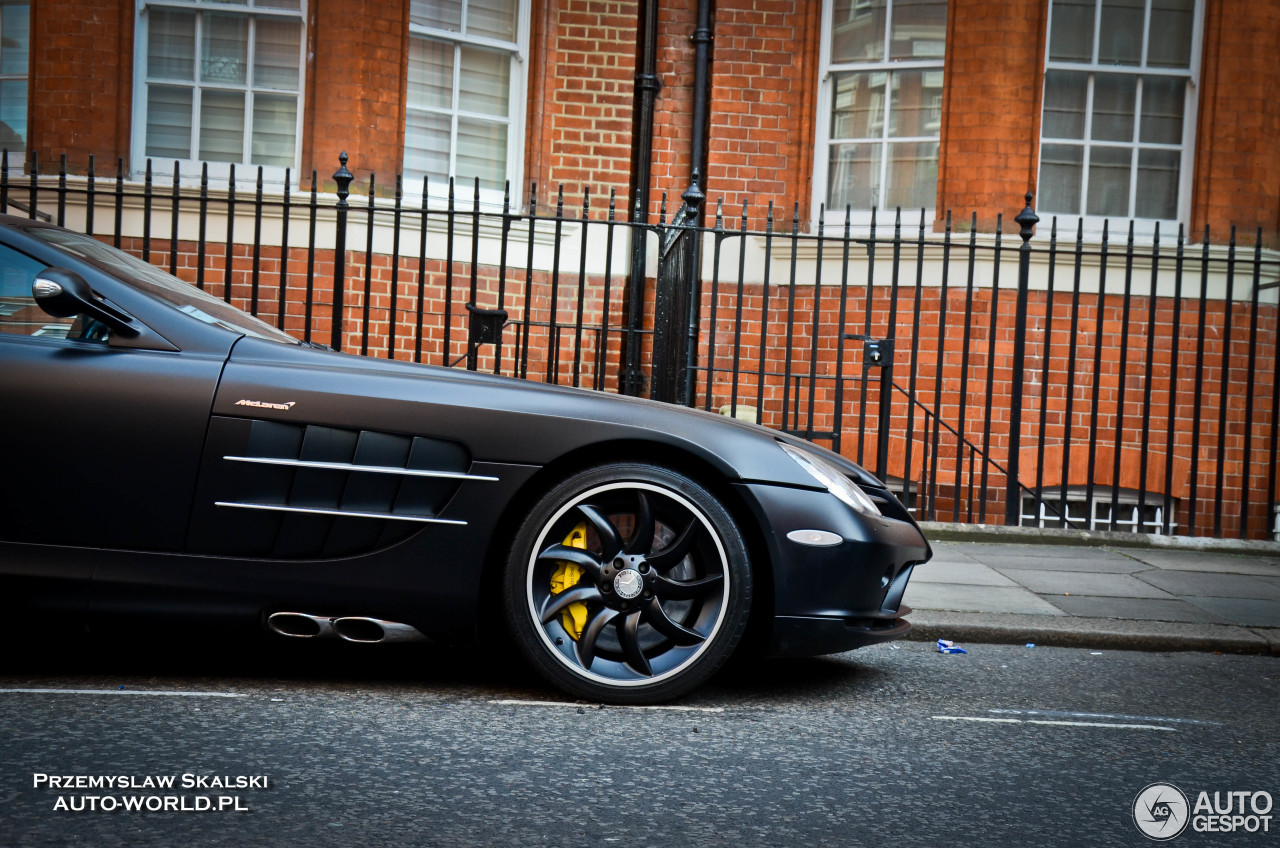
[[19, 313]]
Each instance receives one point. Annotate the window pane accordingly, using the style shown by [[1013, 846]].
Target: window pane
[[484, 84], [482, 152], [1120, 35], [1171, 25], [225, 49], [275, 123], [1114, 98], [857, 30], [1109, 181], [294, 5], [1065, 96], [426, 144], [15, 25], [853, 177], [1158, 172], [441, 14], [168, 122], [430, 74], [917, 104], [1162, 102], [918, 29], [1061, 166], [913, 175], [275, 53], [858, 110], [492, 19], [1072, 31], [13, 115], [222, 126], [171, 45]]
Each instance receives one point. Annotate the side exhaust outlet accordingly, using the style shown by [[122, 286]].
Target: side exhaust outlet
[[300, 625], [375, 630]]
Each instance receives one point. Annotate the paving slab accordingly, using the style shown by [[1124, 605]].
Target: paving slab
[[1083, 563], [1143, 609], [988, 599], [1247, 612], [1211, 585], [965, 573], [1205, 561], [1044, 582]]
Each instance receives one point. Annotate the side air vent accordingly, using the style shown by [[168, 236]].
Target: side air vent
[[303, 491]]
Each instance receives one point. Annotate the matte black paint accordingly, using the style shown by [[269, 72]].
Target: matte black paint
[[118, 455]]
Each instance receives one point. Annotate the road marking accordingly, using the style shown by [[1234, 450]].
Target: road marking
[[170, 693], [1112, 725], [1112, 716], [671, 707]]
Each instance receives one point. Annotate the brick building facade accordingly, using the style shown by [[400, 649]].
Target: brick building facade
[[1158, 112]]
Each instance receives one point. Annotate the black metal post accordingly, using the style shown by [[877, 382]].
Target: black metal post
[[343, 178], [631, 378], [673, 300], [1027, 219]]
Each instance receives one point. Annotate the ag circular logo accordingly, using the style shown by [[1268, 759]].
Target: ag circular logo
[[1161, 811]]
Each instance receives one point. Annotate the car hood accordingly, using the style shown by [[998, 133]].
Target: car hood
[[501, 419]]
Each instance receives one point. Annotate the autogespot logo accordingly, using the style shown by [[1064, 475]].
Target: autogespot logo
[[1160, 811]]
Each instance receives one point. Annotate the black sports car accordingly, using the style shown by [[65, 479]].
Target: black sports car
[[168, 456]]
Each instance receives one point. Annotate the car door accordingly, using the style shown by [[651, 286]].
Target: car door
[[102, 441]]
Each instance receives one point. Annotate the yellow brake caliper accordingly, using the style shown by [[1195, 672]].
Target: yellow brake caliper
[[566, 576]]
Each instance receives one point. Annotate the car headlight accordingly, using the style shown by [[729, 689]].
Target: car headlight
[[831, 477]]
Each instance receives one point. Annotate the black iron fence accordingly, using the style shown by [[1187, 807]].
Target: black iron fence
[[1108, 380]]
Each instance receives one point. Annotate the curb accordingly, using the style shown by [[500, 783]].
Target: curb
[[998, 533], [1097, 633]]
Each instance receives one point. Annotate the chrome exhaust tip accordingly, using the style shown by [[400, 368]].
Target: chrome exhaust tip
[[370, 631], [300, 625]]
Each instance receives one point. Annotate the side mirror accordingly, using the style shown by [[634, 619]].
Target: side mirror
[[63, 294]]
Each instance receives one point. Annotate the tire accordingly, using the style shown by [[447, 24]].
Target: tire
[[655, 595]]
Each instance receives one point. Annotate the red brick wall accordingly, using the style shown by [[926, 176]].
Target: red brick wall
[[581, 119], [356, 80], [80, 86], [762, 108], [1237, 176], [994, 78]]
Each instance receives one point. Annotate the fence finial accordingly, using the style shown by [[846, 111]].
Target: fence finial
[[1028, 219]]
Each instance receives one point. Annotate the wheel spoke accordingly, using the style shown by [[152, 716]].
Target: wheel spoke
[[577, 556], [590, 633], [642, 538], [555, 603], [630, 641], [681, 590], [677, 550], [609, 536], [657, 617]]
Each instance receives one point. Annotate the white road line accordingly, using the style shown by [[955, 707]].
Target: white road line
[[1111, 725], [672, 707], [169, 693], [1113, 716]]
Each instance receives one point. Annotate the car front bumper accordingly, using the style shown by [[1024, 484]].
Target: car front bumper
[[833, 598]]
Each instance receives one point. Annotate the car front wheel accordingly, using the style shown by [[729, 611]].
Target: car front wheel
[[628, 583]]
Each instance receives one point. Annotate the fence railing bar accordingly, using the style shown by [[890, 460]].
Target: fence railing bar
[[1225, 382], [1250, 384], [1148, 378], [992, 331]]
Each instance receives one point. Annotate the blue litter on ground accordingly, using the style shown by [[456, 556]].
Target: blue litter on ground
[[946, 646]]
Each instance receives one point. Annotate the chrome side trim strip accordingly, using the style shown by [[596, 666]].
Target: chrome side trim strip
[[341, 513], [347, 466]]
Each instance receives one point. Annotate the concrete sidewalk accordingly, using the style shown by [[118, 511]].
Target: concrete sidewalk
[[999, 585]]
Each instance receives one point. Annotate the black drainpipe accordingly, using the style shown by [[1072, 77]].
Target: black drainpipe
[[631, 379], [695, 196]]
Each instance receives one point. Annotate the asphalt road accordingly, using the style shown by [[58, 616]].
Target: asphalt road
[[895, 745]]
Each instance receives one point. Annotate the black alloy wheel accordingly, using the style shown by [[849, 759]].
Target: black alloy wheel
[[628, 583]]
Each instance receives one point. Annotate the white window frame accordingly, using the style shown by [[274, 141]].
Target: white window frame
[[438, 189], [17, 158], [1142, 226], [246, 173], [827, 73]]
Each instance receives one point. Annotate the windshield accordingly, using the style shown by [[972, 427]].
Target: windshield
[[150, 279]]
